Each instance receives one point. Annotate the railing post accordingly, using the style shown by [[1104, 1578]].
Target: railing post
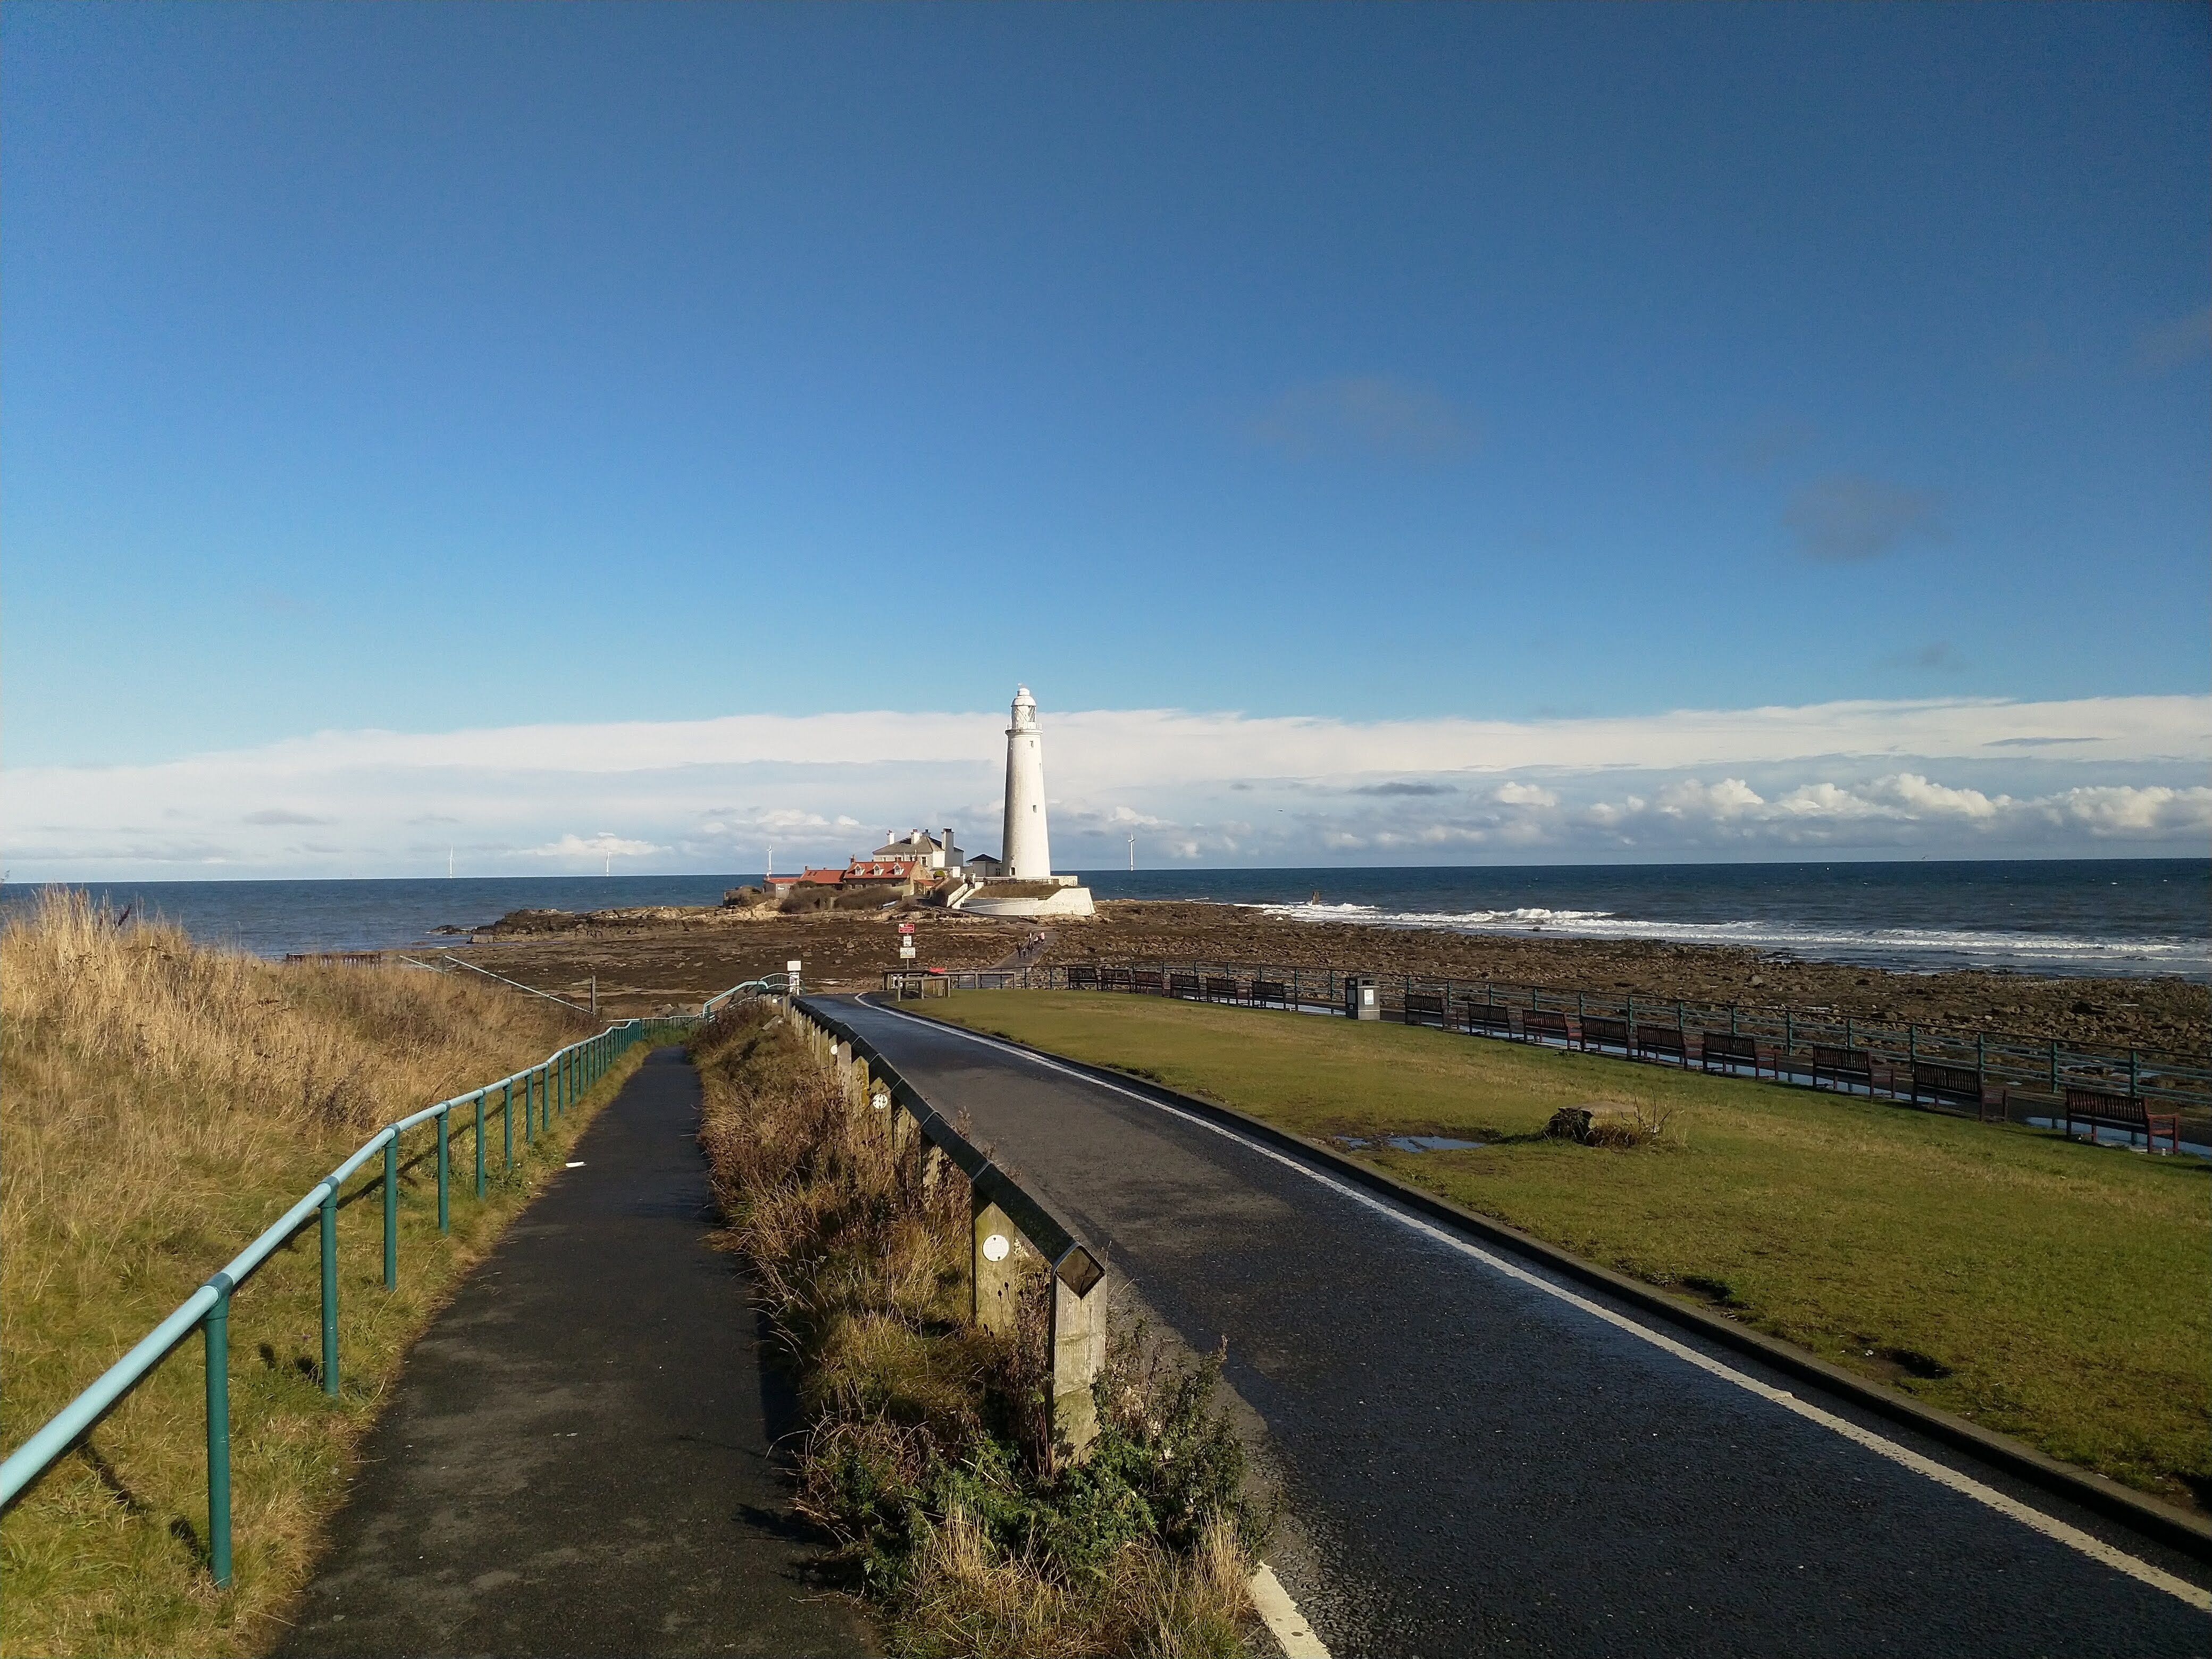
[[330, 1231], [444, 1214], [507, 1121], [1078, 1349], [392, 1212], [216, 1329], [994, 1274], [2054, 1066], [480, 1178]]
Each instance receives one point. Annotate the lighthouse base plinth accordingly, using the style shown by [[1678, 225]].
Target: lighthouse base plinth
[[1059, 897]]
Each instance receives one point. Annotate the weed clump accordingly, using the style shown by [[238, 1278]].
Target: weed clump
[[928, 1458]]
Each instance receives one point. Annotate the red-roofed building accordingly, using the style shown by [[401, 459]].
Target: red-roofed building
[[886, 874]]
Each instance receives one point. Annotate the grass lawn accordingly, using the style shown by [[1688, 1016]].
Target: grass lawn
[[2057, 1292]]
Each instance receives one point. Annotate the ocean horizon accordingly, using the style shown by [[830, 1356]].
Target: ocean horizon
[[2071, 916]]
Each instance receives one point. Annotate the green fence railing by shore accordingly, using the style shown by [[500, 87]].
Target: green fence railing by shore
[[545, 1092], [2024, 1078]]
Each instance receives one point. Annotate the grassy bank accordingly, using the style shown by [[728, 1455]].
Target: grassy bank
[[163, 1103], [925, 1458], [2057, 1292]]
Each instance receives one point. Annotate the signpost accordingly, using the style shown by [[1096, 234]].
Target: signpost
[[791, 967], [906, 941]]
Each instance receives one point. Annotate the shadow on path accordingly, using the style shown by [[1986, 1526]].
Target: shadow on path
[[577, 1456]]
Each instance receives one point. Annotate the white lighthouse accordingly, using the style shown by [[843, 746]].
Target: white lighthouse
[[1027, 848], [1027, 886]]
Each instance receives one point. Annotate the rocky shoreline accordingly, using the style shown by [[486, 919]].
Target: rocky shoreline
[[668, 956], [2166, 1013]]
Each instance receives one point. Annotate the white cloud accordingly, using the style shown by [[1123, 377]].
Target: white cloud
[[2125, 812], [1961, 775], [1730, 797], [1515, 793], [600, 846]]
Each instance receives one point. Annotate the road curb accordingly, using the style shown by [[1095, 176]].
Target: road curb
[[2174, 1527]]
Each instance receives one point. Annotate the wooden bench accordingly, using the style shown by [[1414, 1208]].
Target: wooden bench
[[1663, 1042], [1114, 979], [1149, 984], [1081, 978], [1488, 1017], [1184, 985], [2129, 1112], [1274, 991], [1947, 1085], [1421, 1008], [1218, 989], [1598, 1033], [1845, 1067], [1538, 1024], [1727, 1050]]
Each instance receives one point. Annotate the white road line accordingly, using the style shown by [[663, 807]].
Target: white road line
[[1282, 1618], [2050, 1526]]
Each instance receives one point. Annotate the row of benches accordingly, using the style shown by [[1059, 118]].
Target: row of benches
[[1961, 1087]]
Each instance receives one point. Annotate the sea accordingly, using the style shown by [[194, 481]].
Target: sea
[[2114, 916]]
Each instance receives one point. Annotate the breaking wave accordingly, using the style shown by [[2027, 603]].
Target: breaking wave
[[1923, 948]]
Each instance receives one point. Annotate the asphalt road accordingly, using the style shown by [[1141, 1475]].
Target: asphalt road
[[576, 1458], [1482, 1467]]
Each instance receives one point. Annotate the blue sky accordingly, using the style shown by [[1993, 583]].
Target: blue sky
[[431, 370]]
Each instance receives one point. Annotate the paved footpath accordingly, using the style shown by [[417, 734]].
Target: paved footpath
[[576, 1458], [1486, 1465]]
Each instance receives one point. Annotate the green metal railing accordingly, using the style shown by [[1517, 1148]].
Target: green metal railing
[[775, 985], [547, 1090]]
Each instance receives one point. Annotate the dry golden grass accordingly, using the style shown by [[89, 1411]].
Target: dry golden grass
[[927, 1457], [162, 1103], [969, 1597]]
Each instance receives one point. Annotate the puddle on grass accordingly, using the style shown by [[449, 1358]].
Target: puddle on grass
[[1412, 1143]]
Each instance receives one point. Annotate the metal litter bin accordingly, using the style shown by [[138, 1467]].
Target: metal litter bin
[[1360, 1001]]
